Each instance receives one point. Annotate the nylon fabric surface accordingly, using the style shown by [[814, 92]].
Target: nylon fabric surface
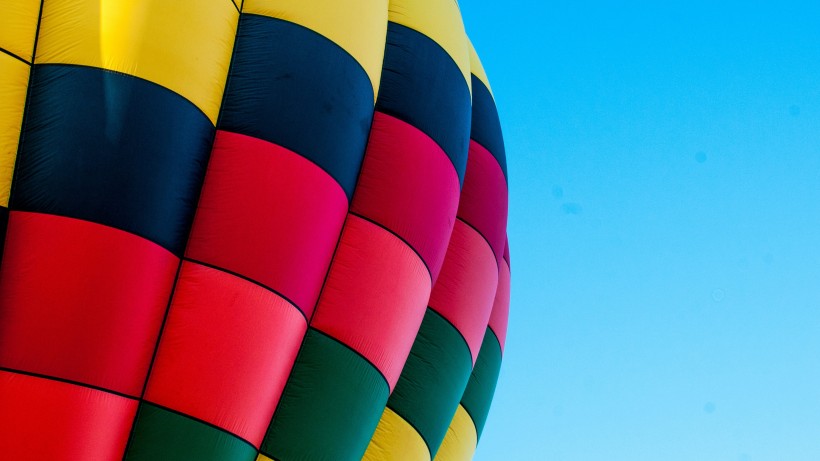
[[231, 230]]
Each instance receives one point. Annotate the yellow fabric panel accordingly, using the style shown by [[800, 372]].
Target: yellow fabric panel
[[183, 45], [262, 457], [13, 85], [18, 25], [461, 439], [357, 26], [396, 440], [441, 21], [477, 68]]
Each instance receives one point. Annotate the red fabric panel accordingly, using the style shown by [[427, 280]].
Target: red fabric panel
[[226, 352], [81, 301], [409, 186], [465, 290], [484, 198], [270, 215], [50, 420], [507, 253], [501, 305], [375, 296]]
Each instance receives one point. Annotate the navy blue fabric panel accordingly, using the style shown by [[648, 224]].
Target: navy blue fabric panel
[[112, 149], [422, 85], [486, 128], [295, 88]]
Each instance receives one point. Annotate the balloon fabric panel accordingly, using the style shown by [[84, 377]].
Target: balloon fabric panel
[[461, 440], [221, 326], [79, 422], [353, 25], [501, 306], [330, 405], [242, 226], [18, 31], [408, 95], [352, 308], [151, 145], [440, 107], [243, 223], [311, 98], [464, 295], [459, 444], [14, 76], [409, 185], [144, 39], [86, 341], [396, 439], [438, 368], [486, 127], [18, 28]]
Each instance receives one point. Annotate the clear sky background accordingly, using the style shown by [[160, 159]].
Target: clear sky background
[[664, 163]]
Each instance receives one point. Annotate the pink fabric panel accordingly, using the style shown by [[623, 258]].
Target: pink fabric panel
[[484, 198], [466, 288]]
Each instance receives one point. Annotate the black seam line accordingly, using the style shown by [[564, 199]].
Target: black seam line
[[247, 279], [201, 421], [348, 199], [26, 106], [483, 83], [330, 267], [291, 148], [402, 118], [497, 341], [463, 77], [126, 74], [230, 68], [341, 232], [238, 10], [355, 352], [187, 239], [76, 218], [484, 238], [415, 428], [399, 116], [5, 51], [68, 381], [467, 344], [132, 432], [264, 453], [304, 337], [328, 39], [327, 335], [494, 158], [429, 273]]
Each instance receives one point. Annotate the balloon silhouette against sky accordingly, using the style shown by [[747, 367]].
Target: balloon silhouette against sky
[[259, 230]]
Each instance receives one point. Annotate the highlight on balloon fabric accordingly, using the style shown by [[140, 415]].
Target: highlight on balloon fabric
[[248, 231]]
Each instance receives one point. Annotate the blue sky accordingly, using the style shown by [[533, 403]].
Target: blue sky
[[664, 160]]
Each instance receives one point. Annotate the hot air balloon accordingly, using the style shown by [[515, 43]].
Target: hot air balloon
[[247, 230]]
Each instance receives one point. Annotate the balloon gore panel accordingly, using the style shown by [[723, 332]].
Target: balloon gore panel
[[269, 230]]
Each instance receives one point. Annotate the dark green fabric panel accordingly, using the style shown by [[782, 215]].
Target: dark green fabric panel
[[160, 434], [330, 406], [480, 389], [433, 379]]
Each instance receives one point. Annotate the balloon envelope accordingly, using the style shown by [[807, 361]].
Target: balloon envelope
[[240, 230]]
